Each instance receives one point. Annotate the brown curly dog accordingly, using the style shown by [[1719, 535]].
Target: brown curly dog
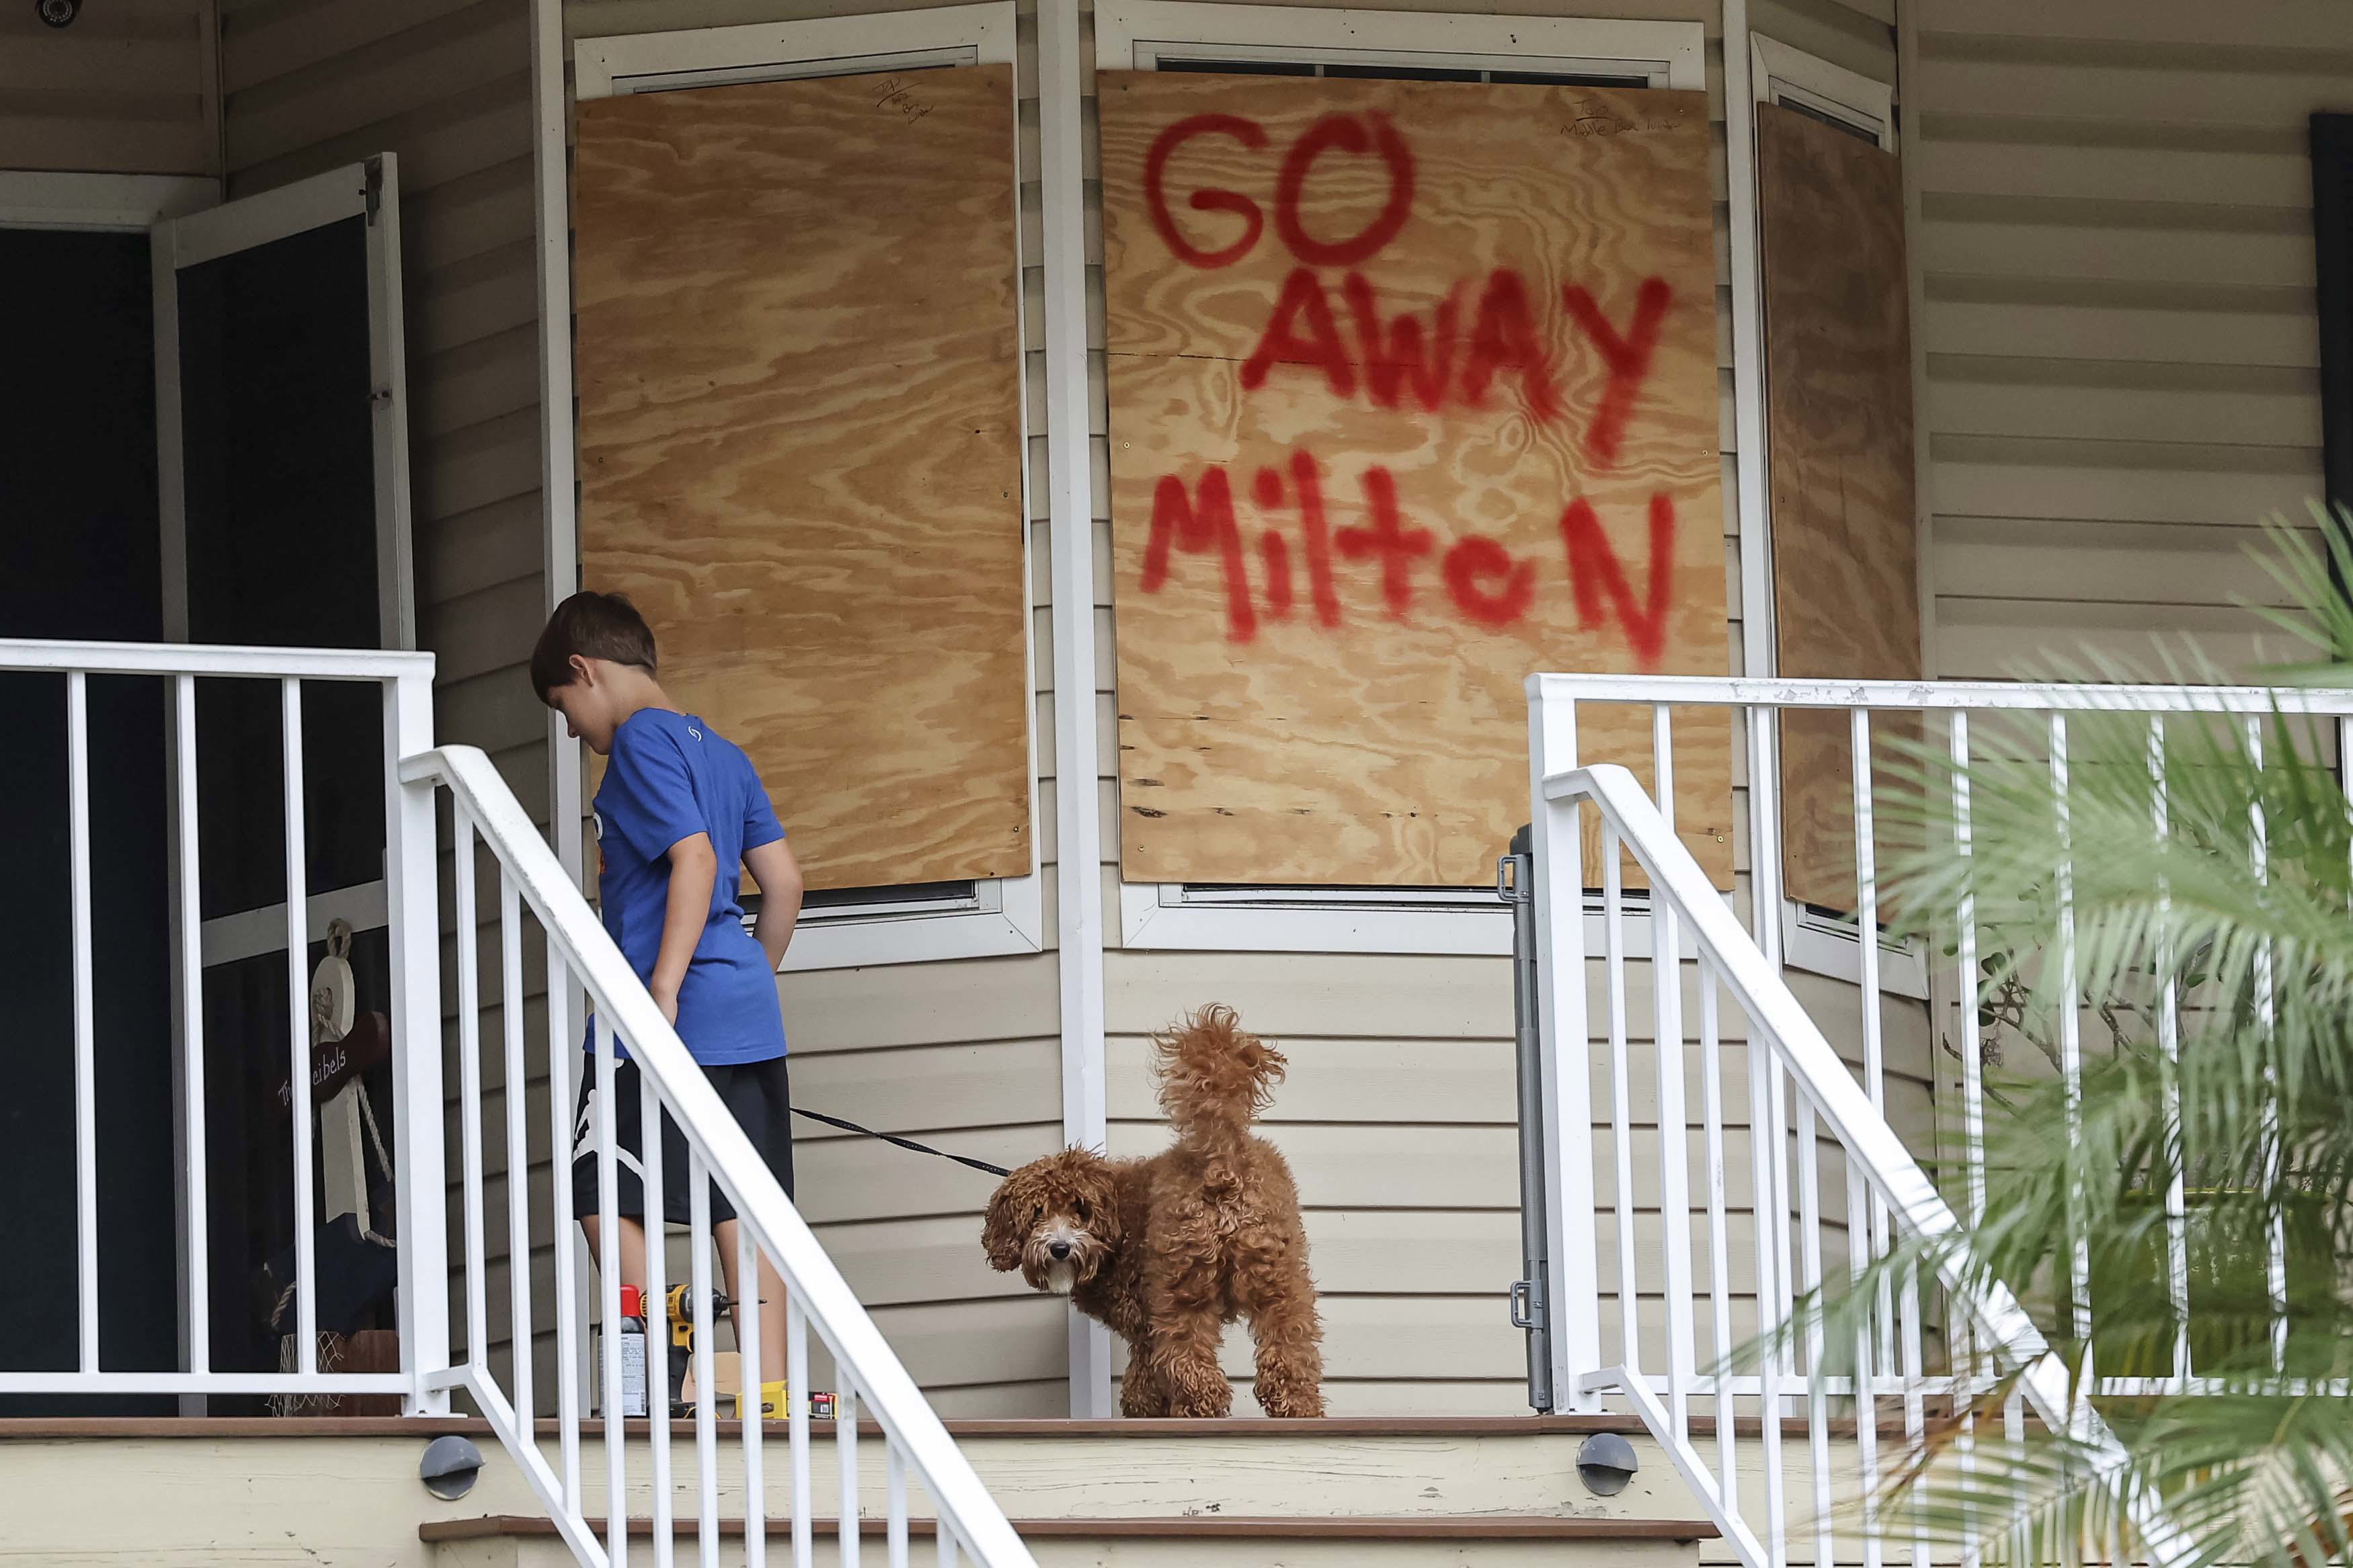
[[1166, 1251]]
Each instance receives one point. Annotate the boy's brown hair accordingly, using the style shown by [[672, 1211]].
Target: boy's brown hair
[[591, 625]]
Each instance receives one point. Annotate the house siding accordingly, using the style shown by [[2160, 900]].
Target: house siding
[[2116, 273], [131, 88]]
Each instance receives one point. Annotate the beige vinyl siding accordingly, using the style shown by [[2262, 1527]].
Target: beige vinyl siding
[[963, 1055], [2116, 250], [131, 88]]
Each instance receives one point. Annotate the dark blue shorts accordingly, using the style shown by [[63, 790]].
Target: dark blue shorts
[[757, 1094]]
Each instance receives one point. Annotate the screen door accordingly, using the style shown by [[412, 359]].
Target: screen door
[[282, 471]]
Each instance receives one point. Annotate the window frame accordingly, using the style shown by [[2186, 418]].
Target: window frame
[[1140, 34], [1005, 915], [1779, 71], [1812, 940]]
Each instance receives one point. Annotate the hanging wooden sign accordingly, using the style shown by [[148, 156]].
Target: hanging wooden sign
[[1413, 394]]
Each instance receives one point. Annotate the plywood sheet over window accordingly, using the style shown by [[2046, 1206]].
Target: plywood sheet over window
[[800, 446], [1413, 394], [1838, 365]]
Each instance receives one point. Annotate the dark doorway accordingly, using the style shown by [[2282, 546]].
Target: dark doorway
[[78, 558]]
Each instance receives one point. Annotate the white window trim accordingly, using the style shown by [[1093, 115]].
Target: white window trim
[[30, 199], [1134, 34], [1137, 34], [1824, 944], [1007, 914], [1779, 71]]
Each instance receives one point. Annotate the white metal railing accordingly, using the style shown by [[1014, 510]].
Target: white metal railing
[[918, 1450], [405, 683], [1826, 1174], [921, 1467]]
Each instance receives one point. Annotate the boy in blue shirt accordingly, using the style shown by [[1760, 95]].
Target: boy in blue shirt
[[679, 816]]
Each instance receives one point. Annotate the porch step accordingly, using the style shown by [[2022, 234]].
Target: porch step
[[1246, 1493], [1290, 1541]]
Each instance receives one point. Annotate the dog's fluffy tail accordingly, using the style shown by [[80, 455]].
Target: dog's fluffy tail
[[1214, 1078]]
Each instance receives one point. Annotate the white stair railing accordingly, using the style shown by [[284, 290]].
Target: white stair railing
[[405, 685], [926, 1484], [918, 1451], [1826, 1180]]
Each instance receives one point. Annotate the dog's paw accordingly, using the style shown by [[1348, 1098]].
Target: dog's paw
[[1289, 1397]]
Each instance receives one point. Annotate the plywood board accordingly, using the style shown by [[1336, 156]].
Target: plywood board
[[1838, 365], [1413, 394], [800, 446]]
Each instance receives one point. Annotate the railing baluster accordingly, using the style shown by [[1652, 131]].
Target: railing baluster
[[2169, 1043], [298, 1017], [520, 1346], [1818, 1415], [1674, 1130], [564, 1153], [1719, 1248], [1866, 1213], [1621, 1137], [469, 1093], [1969, 987], [187, 892], [796, 1376], [748, 1404], [845, 1450], [1763, 1088], [1970, 984], [608, 1297], [2275, 1271], [706, 1391], [85, 1021], [897, 1523], [947, 1543], [2070, 1044], [656, 1307]]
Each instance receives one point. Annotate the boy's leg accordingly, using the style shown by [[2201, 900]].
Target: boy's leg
[[726, 1234], [629, 1201], [759, 1095], [633, 1247]]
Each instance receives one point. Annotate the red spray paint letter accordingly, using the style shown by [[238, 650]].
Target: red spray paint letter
[[1505, 337], [1472, 565], [1628, 357], [1594, 571], [1277, 555], [1347, 133], [1319, 539], [1197, 527], [1301, 299], [1155, 200], [1397, 359], [1395, 546]]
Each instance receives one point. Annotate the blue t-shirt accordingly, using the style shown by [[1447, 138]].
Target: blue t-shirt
[[669, 778]]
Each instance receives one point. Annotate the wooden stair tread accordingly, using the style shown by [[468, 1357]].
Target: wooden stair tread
[[1196, 1527]]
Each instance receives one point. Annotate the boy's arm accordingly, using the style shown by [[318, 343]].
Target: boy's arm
[[779, 875], [694, 868]]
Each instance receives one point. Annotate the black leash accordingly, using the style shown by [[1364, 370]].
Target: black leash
[[902, 1142]]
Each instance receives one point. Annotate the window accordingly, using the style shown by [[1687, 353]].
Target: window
[[1813, 86], [1815, 938], [939, 916], [1176, 35]]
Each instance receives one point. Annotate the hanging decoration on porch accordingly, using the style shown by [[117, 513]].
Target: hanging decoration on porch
[[1413, 394]]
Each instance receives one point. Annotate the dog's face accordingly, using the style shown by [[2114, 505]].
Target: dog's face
[[1056, 1219]]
